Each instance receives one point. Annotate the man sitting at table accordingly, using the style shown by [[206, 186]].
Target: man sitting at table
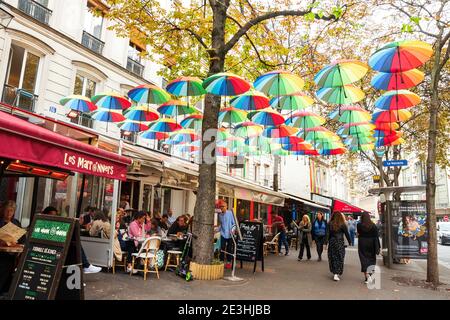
[[178, 226], [164, 222]]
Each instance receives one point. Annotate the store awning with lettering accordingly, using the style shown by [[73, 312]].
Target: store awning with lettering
[[345, 207], [24, 141]]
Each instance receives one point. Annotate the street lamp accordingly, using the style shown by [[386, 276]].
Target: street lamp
[[5, 17]]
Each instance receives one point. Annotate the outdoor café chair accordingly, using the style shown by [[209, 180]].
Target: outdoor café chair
[[271, 245], [148, 253]]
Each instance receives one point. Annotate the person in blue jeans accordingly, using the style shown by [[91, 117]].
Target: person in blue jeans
[[278, 222], [351, 229], [227, 222], [319, 230]]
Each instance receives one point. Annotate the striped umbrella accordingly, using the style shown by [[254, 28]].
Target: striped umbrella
[[192, 121], [347, 114], [149, 94], [279, 131], [305, 120], [78, 103], [395, 100], [341, 95], [397, 80], [184, 136], [165, 125], [279, 82], [175, 108], [247, 130], [266, 117], [355, 128], [304, 146], [288, 140], [341, 73], [250, 101], [154, 135], [226, 84], [292, 102], [132, 126], [391, 116], [111, 101], [141, 113], [361, 147], [186, 87], [232, 116], [108, 116]]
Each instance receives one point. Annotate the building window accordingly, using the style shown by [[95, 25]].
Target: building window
[[92, 31], [256, 173], [21, 79], [266, 176], [36, 9], [134, 61], [84, 87]]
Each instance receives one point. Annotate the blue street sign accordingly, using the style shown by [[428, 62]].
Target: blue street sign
[[52, 109], [395, 163]]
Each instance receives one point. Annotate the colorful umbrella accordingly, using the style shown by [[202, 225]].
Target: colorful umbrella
[[133, 126], [384, 133], [223, 134], [189, 149], [234, 144], [154, 135], [175, 108], [397, 80], [165, 125], [341, 95], [289, 140], [279, 131], [149, 94], [395, 100], [355, 128], [401, 56], [341, 73], [186, 87], [361, 147], [111, 101], [298, 147], [184, 136], [247, 129], [232, 116], [141, 113], [108, 116], [311, 152], [78, 103], [389, 141], [266, 117], [305, 119], [332, 152], [293, 102], [328, 144], [279, 82], [313, 134], [391, 116], [226, 84], [192, 121], [347, 114], [358, 140], [250, 101], [387, 126]]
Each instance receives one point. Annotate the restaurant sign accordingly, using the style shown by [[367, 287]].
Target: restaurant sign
[[85, 163]]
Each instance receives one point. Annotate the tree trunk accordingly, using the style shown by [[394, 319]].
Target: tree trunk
[[432, 263], [204, 206]]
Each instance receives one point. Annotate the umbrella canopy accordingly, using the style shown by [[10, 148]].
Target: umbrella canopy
[[141, 113], [292, 102], [298, 147], [132, 126], [358, 139], [341, 95], [234, 144], [312, 152], [108, 116], [328, 144], [78, 103], [247, 129], [154, 135], [226, 84], [149, 94], [174, 108], [348, 114], [391, 116], [266, 117], [279, 82], [289, 140], [111, 101], [384, 133], [361, 147], [316, 133], [387, 126], [332, 152], [401, 56], [223, 134], [250, 101], [391, 140], [186, 87], [397, 80], [165, 125], [341, 73], [188, 148], [305, 120], [184, 136], [355, 128], [395, 100], [279, 131], [232, 116], [192, 121]]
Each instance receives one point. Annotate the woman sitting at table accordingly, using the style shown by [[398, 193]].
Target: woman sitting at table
[[134, 233], [101, 224], [155, 230]]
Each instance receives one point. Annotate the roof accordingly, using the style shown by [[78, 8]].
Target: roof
[[307, 202]]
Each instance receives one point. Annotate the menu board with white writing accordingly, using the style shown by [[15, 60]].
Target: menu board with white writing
[[250, 247]]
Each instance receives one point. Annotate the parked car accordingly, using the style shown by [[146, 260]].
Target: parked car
[[443, 232]]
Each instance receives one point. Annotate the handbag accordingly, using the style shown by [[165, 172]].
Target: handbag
[[159, 260]]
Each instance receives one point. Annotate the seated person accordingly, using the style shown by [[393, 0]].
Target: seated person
[[87, 217], [51, 211], [154, 230], [134, 232], [164, 222], [100, 223], [178, 226]]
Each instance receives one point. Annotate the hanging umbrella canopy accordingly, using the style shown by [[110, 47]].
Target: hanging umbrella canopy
[[341, 73], [401, 56], [132, 126], [298, 147], [384, 133], [184, 136], [395, 100], [262, 144], [288, 140], [186, 87], [141, 113], [292, 102], [355, 128], [149, 94], [312, 152], [247, 130], [328, 144], [279, 131], [232, 116], [332, 152], [348, 114], [391, 116], [165, 125], [192, 121], [108, 116], [250, 101], [317, 133], [386, 126], [305, 120], [188, 148], [111, 101], [223, 134], [279, 82], [266, 117], [392, 140], [174, 108], [397, 80], [234, 144], [341, 95], [154, 135], [281, 152], [226, 84], [361, 147], [78, 103]]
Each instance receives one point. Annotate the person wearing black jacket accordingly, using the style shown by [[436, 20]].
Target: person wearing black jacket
[[336, 248], [368, 245], [319, 232]]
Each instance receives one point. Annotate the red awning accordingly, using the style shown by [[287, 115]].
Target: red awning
[[342, 206], [22, 140]]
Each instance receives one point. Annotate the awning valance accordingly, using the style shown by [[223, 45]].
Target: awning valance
[[306, 202], [342, 206], [24, 141]]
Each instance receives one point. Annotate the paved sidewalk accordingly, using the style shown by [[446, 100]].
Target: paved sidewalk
[[284, 278]]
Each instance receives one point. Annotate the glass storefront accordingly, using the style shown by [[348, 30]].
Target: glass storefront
[[243, 210]]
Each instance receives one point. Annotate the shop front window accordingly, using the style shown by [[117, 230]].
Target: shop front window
[[243, 210], [263, 212]]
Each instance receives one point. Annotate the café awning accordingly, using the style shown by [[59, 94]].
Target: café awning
[[306, 202], [345, 207], [24, 141]]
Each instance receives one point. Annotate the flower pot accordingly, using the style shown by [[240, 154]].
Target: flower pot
[[207, 271]]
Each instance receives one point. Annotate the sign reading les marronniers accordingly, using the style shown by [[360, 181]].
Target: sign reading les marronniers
[[53, 244], [250, 248]]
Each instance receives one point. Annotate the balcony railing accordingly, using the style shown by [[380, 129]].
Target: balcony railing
[[19, 98], [35, 10], [92, 43], [135, 67]]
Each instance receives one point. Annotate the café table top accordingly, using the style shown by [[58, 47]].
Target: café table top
[[12, 249]]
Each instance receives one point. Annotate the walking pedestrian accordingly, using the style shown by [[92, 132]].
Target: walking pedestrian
[[227, 222], [278, 223], [351, 229], [319, 231], [305, 237], [336, 248], [368, 245]]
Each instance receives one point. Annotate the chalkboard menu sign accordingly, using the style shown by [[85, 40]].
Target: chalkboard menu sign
[[50, 257], [250, 248]]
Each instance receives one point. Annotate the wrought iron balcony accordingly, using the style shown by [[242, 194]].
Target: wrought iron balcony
[[134, 66], [19, 98], [35, 10], [92, 43]]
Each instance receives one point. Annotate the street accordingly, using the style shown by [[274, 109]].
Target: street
[[444, 255]]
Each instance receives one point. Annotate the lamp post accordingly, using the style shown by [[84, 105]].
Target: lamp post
[[5, 17]]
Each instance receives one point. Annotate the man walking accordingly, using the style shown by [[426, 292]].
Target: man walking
[[351, 229], [278, 222], [227, 222]]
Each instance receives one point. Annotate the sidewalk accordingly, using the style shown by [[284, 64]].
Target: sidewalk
[[284, 278]]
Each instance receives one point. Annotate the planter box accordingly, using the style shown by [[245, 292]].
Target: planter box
[[207, 272]]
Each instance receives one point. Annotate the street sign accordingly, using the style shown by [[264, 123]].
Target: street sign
[[376, 179], [395, 163]]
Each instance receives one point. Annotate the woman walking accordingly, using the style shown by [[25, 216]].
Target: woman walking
[[319, 231], [368, 245], [336, 247], [305, 237]]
